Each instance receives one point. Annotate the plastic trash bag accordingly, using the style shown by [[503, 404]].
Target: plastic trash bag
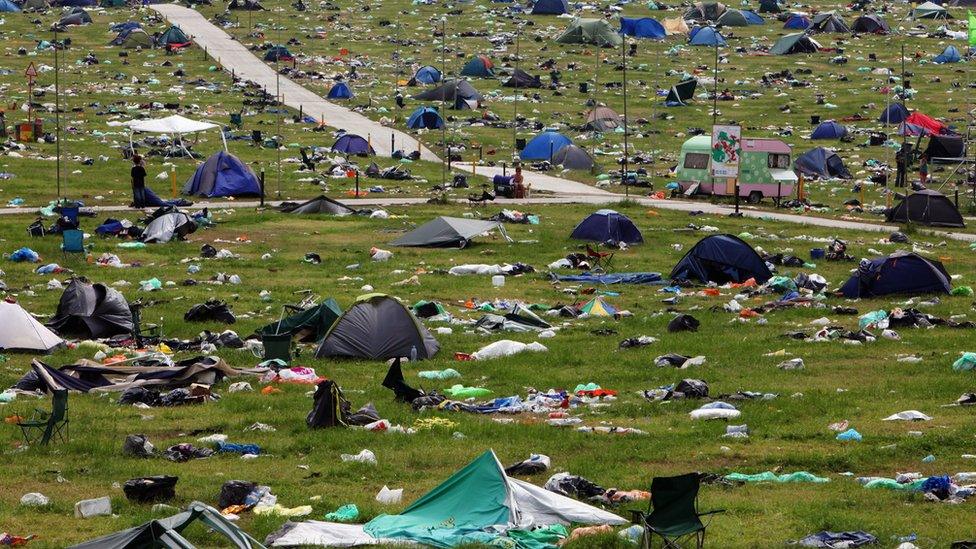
[[877, 319], [150, 489], [965, 363], [506, 347], [345, 513], [683, 323], [850, 435], [364, 456], [908, 415], [137, 446], [387, 496]]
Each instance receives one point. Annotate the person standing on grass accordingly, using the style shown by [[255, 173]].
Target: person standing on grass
[[138, 182], [923, 169], [901, 163]]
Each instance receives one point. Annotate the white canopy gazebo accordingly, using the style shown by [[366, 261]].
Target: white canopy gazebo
[[175, 125]]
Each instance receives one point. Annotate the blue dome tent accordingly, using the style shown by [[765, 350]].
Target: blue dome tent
[[720, 259], [820, 162], [351, 143], [706, 36], [6, 6], [644, 27], [340, 91], [797, 22], [899, 273], [949, 55], [223, 174], [607, 226], [425, 117], [896, 113], [544, 145], [829, 130], [550, 7], [753, 18], [427, 75], [479, 67]]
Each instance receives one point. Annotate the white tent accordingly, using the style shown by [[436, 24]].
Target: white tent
[[22, 332], [171, 125]]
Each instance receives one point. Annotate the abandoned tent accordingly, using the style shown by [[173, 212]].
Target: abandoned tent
[[319, 205], [22, 332], [448, 232], [91, 311], [378, 327], [607, 226], [898, 273], [721, 258], [223, 174], [309, 325], [926, 207]]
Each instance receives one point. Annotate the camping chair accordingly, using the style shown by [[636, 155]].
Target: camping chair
[[277, 346], [72, 242], [71, 210], [47, 425], [673, 514], [149, 333], [237, 119], [602, 261]]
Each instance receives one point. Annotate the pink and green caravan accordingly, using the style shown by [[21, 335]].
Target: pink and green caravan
[[765, 171]]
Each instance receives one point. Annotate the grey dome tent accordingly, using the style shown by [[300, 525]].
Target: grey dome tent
[[522, 79], [169, 226], [91, 311], [320, 205], [596, 32], [572, 157], [602, 119], [706, 11], [871, 24], [828, 22], [732, 18], [721, 258], [448, 232], [378, 327], [134, 38], [459, 92], [926, 207], [22, 332], [794, 43]]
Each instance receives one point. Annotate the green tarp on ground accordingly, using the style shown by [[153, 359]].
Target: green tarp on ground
[[309, 325]]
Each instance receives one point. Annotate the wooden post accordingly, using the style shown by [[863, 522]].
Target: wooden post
[[172, 181]]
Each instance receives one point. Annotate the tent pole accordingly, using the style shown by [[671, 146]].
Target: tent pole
[[518, 33], [715, 88], [281, 103], [57, 111], [623, 173], [444, 100]]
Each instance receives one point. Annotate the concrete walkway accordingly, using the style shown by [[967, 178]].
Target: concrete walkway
[[234, 56]]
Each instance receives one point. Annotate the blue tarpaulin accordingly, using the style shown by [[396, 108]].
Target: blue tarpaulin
[[614, 278]]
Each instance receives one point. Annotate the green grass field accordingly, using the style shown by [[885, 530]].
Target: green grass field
[[858, 383]]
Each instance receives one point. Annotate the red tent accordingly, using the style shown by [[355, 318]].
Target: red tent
[[931, 125]]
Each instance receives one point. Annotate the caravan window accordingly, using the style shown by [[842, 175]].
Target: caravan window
[[778, 161], [696, 161]]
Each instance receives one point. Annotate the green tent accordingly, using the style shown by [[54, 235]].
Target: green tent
[[136, 38], [732, 18], [481, 495], [173, 35], [794, 43], [590, 31], [930, 10], [112, 3], [309, 325]]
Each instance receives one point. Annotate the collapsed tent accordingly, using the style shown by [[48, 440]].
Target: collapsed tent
[[308, 325], [169, 226], [572, 157], [91, 311], [645, 27], [350, 143], [278, 53], [378, 327], [926, 207], [459, 93], [76, 17], [721, 258], [247, 5], [320, 205], [921, 124], [602, 119], [340, 91], [223, 174], [828, 22], [949, 55], [705, 11], [871, 24], [769, 6], [544, 145], [22, 332], [518, 319], [447, 232], [681, 93], [607, 226], [35, 5], [425, 118], [166, 533], [479, 66], [706, 36], [596, 32], [675, 25], [821, 162], [471, 507], [829, 130], [794, 43], [895, 113], [899, 273], [89, 376], [550, 7], [425, 75], [522, 79]]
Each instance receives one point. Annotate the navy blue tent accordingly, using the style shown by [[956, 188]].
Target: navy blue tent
[[797, 22], [75, 3], [340, 91], [427, 75], [351, 143], [607, 226], [821, 162], [544, 145], [896, 113], [706, 36], [645, 27], [752, 17], [948, 55], [899, 273], [8, 7], [720, 259], [425, 117], [550, 7], [223, 174], [829, 130]]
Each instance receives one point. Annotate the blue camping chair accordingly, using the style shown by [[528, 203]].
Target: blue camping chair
[[72, 242], [70, 210]]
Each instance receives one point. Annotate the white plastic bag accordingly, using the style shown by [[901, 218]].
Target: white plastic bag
[[389, 497], [364, 456]]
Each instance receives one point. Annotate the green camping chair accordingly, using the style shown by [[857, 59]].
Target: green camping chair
[[72, 242], [43, 426], [673, 514], [143, 333], [277, 346]]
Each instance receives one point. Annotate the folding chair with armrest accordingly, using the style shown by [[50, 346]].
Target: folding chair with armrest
[[673, 514]]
